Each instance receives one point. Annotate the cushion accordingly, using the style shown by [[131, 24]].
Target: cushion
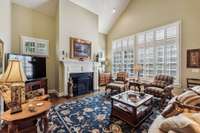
[[180, 124], [154, 90], [189, 97], [193, 116], [196, 89], [172, 109], [189, 102], [159, 83], [168, 79]]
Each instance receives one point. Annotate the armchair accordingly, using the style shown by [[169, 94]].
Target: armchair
[[122, 77], [119, 84], [161, 87]]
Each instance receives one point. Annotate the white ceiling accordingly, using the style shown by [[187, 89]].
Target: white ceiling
[[103, 8], [47, 7]]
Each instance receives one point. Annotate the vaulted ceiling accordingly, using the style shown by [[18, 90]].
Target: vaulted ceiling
[[103, 8]]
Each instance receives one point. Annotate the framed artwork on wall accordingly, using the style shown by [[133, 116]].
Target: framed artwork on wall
[[193, 58], [80, 49], [34, 46]]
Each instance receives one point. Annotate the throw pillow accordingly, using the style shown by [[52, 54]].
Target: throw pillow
[[180, 124], [172, 110], [186, 102]]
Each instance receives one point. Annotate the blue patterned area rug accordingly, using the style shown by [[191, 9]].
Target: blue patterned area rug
[[91, 115]]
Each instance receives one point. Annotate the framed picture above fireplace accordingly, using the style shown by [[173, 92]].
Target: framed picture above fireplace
[[80, 49]]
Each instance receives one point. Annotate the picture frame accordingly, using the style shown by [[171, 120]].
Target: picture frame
[[193, 58], [80, 49], [34, 46]]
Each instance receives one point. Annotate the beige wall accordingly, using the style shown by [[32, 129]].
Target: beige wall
[[78, 22], [142, 15], [5, 23], [31, 23], [102, 42]]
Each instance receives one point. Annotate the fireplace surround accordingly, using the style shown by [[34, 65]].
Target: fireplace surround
[[75, 67]]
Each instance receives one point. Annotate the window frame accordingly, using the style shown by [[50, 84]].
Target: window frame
[[155, 44]]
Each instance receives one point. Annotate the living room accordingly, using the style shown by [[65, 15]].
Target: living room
[[121, 66]]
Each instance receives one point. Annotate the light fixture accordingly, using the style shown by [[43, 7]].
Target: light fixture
[[15, 78], [14, 73], [114, 10], [137, 68]]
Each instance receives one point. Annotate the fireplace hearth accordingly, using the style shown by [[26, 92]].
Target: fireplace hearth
[[82, 83]]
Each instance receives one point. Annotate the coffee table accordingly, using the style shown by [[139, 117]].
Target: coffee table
[[132, 107]]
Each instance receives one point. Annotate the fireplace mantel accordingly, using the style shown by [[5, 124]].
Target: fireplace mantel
[[75, 66]]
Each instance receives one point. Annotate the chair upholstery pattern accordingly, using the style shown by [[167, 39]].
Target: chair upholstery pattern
[[122, 76]]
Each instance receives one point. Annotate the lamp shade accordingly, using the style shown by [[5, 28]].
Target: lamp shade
[[137, 68], [14, 73]]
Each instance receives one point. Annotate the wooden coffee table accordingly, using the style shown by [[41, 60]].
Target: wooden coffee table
[[14, 120], [132, 107]]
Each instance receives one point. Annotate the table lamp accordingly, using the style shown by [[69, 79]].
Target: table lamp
[[137, 68], [14, 78]]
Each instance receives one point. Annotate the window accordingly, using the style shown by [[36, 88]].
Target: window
[[157, 50], [123, 55]]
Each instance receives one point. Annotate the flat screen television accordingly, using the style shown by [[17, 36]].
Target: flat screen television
[[34, 67]]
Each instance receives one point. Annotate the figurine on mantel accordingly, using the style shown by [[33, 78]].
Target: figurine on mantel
[[97, 58], [70, 86]]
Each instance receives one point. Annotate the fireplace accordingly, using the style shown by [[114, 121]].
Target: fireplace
[[82, 83], [72, 68]]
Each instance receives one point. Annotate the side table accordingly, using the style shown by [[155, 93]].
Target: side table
[[14, 120], [136, 85]]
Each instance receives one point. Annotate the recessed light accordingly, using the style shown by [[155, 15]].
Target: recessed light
[[114, 10]]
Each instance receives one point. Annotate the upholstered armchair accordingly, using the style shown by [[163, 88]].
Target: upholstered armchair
[[161, 87], [122, 77], [119, 84]]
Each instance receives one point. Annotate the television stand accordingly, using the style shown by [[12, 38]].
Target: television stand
[[36, 84]]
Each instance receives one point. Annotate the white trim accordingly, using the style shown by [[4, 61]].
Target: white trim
[[75, 66], [52, 91]]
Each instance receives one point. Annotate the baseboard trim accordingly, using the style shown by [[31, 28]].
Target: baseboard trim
[[54, 92]]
